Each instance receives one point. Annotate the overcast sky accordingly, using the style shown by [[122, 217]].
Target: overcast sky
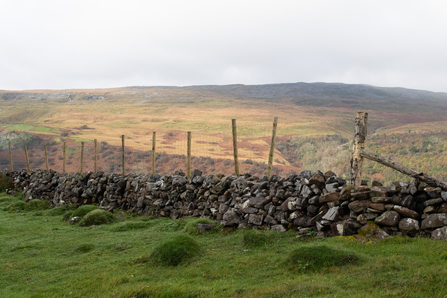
[[96, 44]]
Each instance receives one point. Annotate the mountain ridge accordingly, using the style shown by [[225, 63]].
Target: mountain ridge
[[298, 90]]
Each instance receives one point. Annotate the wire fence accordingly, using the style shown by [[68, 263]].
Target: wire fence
[[211, 152]]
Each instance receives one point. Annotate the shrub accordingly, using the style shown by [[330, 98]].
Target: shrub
[[174, 251], [254, 238], [82, 211], [57, 211], [97, 217], [36, 204], [318, 257], [192, 228], [5, 182]]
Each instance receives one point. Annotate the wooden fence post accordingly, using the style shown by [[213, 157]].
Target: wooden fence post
[[236, 158], [153, 152], [11, 168], [122, 145], [272, 148], [64, 156], [82, 156], [27, 159], [358, 145], [96, 157], [188, 149], [46, 159]]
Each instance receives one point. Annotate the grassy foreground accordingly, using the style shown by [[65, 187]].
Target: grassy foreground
[[43, 256]]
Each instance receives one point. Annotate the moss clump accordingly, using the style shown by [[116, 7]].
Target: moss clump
[[61, 210], [82, 211], [36, 204], [192, 228], [314, 258], [97, 217], [175, 251], [254, 238], [370, 227]]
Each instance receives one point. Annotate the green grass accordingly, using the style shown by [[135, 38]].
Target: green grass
[[81, 140], [36, 205], [97, 217], [57, 211], [83, 210], [192, 229], [175, 251], [25, 127], [254, 238], [319, 257], [42, 256]]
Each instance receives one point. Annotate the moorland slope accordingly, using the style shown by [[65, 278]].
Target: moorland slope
[[313, 118]]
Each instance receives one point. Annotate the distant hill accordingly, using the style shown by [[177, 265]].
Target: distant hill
[[321, 91], [317, 91]]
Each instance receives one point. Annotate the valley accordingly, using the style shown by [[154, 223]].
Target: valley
[[316, 123]]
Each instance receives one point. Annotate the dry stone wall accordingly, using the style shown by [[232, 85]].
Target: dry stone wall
[[322, 202]]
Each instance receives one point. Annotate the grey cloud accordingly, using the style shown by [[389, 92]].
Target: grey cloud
[[93, 44]]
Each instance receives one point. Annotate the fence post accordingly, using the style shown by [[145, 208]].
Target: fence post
[[358, 145], [96, 157], [236, 158], [64, 155], [46, 158], [122, 145], [188, 149], [10, 158], [82, 156], [153, 152], [27, 159], [272, 148]]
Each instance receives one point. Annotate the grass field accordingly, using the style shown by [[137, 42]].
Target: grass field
[[43, 256]]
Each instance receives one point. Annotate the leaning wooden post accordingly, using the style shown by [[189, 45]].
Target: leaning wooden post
[[82, 156], [11, 168], [236, 158], [123, 163], [96, 156], [404, 170], [188, 149], [27, 159], [357, 146], [272, 148], [46, 159], [64, 156], [153, 152]]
